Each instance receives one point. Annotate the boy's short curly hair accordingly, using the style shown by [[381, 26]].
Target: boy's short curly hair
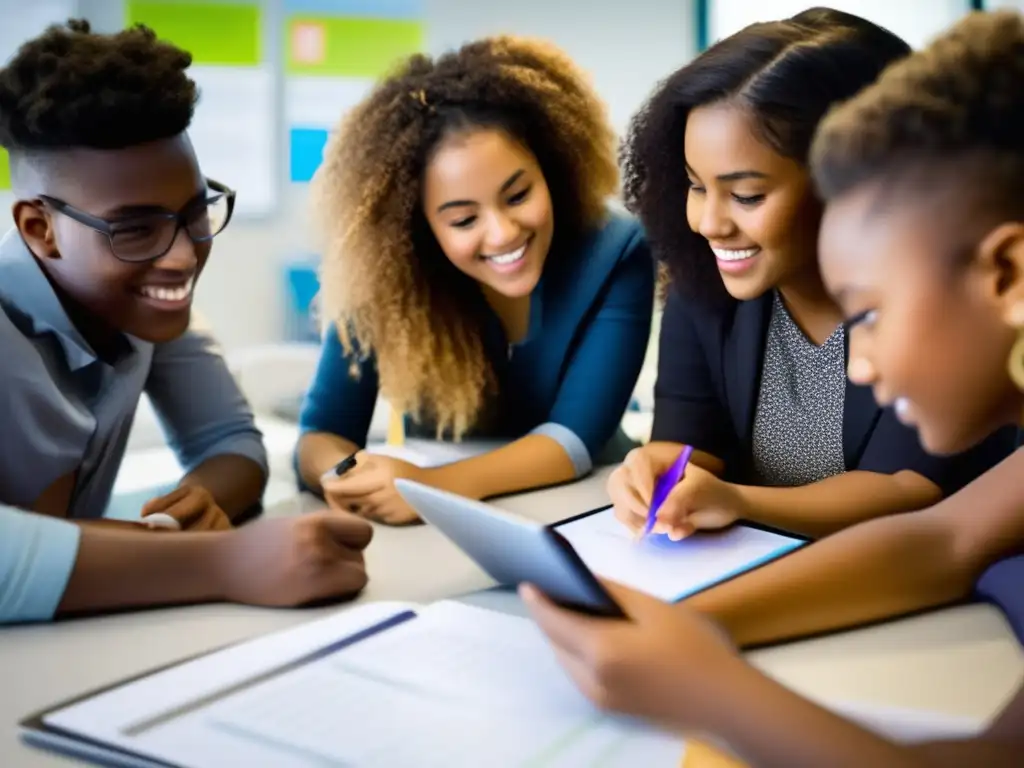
[[384, 280], [73, 88], [957, 105]]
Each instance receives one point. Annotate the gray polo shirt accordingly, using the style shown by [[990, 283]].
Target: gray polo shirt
[[62, 409]]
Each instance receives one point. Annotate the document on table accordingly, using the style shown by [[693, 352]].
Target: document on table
[[449, 685], [434, 453], [671, 570], [908, 725]]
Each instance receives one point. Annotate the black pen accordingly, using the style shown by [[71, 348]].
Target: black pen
[[340, 468]]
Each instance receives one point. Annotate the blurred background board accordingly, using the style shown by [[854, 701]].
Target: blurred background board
[[17, 26], [234, 126], [334, 51]]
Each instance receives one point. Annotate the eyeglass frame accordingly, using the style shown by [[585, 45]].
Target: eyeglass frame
[[106, 227]]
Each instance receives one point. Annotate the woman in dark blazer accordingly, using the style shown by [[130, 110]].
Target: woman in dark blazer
[[753, 351]]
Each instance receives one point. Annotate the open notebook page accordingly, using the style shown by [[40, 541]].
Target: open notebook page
[[454, 686], [671, 570]]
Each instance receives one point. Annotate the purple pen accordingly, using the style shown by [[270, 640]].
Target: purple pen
[[664, 486]]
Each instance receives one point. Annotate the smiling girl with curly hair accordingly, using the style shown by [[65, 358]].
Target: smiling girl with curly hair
[[474, 277]]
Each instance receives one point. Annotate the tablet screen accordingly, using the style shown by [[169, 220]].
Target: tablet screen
[[672, 570]]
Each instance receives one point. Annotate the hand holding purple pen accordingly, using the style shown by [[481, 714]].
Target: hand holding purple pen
[[663, 487]]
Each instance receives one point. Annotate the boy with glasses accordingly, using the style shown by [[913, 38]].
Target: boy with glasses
[[113, 225]]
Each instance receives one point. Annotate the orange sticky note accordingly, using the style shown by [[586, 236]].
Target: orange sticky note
[[701, 755], [308, 43]]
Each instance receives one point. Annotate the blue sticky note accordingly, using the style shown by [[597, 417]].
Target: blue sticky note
[[306, 152]]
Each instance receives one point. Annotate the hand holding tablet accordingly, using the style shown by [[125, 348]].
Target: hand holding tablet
[[512, 549]]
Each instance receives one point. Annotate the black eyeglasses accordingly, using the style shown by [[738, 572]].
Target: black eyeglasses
[[148, 236]]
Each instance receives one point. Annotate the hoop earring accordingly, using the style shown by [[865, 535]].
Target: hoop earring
[[1015, 365]]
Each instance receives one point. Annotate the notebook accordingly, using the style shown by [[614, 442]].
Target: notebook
[[672, 570], [387, 684]]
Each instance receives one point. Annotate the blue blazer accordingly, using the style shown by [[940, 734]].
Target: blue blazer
[[709, 379], [570, 378]]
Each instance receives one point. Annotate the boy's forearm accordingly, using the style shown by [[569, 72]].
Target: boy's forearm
[[235, 482], [118, 568]]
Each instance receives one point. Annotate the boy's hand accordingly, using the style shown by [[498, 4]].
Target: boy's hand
[[295, 560], [192, 506]]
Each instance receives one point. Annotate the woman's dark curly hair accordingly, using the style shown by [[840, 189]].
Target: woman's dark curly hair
[[785, 74], [73, 88], [956, 106], [384, 280]]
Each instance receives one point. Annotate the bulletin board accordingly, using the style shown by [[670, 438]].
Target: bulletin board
[[273, 75], [233, 130], [334, 51], [916, 21]]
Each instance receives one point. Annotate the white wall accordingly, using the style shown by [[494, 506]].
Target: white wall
[[916, 21], [627, 46]]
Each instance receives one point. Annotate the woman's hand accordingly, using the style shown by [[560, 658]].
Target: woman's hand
[[368, 489], [701, 500]]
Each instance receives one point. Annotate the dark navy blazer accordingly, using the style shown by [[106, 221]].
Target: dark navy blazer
[[709, 378]]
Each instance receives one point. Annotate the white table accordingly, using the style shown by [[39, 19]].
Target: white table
[[962, 661]]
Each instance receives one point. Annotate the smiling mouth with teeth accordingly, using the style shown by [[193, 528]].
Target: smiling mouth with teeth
[[511, 257], [735, 254], [167, 293]]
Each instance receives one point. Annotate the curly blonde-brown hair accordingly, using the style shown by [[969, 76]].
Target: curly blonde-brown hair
[[385, 282]]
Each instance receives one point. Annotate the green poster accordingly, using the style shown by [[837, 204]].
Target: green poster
[[349, 47], [214, 33], [5, 170]]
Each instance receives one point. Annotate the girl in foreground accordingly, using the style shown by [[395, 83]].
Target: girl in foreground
[[474, 278], [751, 371], [922, 244]]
